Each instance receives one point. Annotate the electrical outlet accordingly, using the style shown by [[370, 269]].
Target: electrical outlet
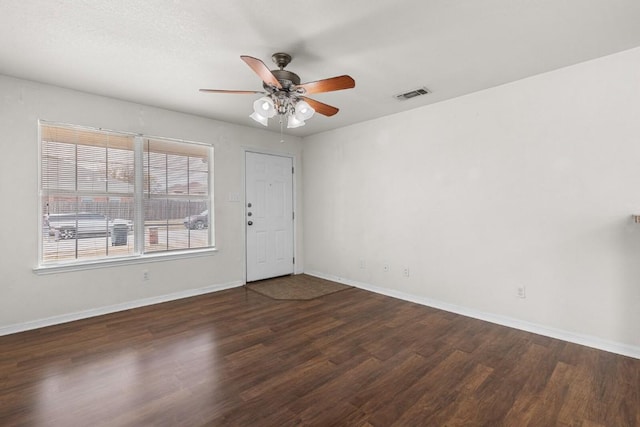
[[385, 268], [363, 264], [405, 272], [145, 274], [522, 292]]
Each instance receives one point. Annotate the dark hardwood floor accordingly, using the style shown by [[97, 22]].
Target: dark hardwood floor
[[352, 358]]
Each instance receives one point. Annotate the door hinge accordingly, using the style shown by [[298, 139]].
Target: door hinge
[[293, 215], [292, 169], [294, 260]]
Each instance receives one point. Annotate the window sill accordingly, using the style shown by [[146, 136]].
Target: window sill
[[116, 262]]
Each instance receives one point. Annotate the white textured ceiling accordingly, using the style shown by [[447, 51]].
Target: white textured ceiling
[[160, 52]]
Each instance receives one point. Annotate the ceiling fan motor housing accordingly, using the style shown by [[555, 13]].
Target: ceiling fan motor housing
[[286, 79]]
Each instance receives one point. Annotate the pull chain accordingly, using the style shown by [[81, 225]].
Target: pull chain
[[281, 130]]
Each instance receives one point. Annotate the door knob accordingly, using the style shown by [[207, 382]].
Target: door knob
[[250, 223]]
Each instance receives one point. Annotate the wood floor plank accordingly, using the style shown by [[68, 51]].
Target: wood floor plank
[[352, 358]]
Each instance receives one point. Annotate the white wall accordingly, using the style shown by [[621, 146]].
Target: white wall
[[528, 184], [28, 299]]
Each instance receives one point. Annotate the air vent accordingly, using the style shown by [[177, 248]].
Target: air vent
[[412, 94]]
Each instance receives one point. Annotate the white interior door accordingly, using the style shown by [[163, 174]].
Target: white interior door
[[268, 215]]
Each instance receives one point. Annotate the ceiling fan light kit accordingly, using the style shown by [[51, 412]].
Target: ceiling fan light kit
[[294, 109], [284, 95]]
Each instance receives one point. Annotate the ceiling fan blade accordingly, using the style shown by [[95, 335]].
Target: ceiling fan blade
[[327, 85], [324, 109], [261, 70], [243, 92]]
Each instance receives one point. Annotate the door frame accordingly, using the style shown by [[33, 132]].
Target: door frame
[[293, 158]]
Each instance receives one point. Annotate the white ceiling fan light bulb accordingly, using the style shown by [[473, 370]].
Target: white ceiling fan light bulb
[[264, 107], [304, 111], [294, 122], [259, 118]]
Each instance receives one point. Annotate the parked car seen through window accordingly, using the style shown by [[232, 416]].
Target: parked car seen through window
[[83, 224], [197, 222]]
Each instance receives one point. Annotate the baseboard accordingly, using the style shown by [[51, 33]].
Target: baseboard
[[64, 318], [586, 340]]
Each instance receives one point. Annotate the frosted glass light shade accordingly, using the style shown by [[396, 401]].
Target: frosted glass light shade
[[264, 107], [294, 122], [304, 111], [260, 119]]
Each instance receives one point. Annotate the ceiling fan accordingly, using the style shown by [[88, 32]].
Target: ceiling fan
[[285, 95]]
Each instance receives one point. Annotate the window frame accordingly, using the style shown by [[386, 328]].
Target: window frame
[[139, 255]]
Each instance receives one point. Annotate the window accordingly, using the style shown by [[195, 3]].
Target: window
[[176, 195], [107, 194]]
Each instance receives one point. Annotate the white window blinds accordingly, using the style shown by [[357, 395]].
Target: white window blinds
[[95, 204]]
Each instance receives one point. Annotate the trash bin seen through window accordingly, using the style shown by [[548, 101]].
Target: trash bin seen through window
[[119, 235]]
